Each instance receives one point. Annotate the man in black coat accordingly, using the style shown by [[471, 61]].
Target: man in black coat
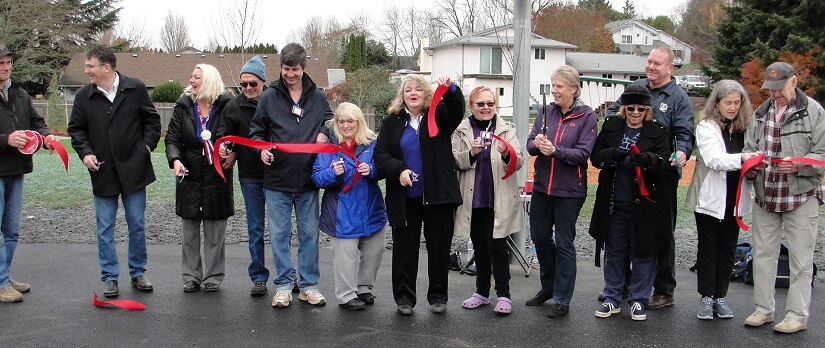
[[114, 128]]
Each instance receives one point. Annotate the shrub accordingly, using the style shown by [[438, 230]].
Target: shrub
[[167, 92]]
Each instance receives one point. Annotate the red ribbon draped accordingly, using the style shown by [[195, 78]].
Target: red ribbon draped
[[745, 168], [55, 144], [634, 150], [511, 166], [432, 127], [283, 147], [125, 304]]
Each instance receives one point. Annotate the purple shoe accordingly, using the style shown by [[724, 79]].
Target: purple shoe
[[504, 305], [475, 301]]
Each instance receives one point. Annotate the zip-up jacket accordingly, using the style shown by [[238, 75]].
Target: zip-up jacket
[[236, 119], [17, 113], [564, 173]]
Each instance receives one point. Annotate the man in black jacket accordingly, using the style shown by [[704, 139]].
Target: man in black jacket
[[114, 128], [17, 114]]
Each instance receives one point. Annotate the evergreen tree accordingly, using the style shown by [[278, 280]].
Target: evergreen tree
[[628, 10]]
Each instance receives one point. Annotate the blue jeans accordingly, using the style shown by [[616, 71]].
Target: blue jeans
[[556, 255], [618, 248], [255, 202], [279, 206], [134, 207], [11, 206]]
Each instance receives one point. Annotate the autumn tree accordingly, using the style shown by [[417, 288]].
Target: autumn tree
[[174, 34], [574, 25], [699, 18], [753, 74]]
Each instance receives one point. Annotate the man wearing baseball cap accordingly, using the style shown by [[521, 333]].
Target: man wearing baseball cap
[[17, 114], [787, 194]]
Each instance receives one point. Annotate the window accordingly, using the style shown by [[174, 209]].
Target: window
[[645, 39], [607, 76], [634, 77], [545, 88], [500, 91], [679, 53], [540, 53], [626, 39], [490, 60]]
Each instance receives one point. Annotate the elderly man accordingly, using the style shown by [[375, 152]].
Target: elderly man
[[787, 125], [238, 115], [672, 108]]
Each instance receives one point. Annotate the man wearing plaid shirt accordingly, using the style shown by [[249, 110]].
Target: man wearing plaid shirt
[[787, 125]]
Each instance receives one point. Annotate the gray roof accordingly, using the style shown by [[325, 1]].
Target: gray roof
[[487, 38], [607, 63], [615, 26]]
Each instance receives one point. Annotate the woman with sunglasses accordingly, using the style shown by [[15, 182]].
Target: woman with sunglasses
[[562, 138], [491, 206], [631, 216]]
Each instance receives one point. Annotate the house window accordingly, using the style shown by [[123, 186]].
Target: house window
[[634, 77], [545, 88], [646, 40], [607, 76], [490, 60], [540, 53], [626, 39], [500, 91]]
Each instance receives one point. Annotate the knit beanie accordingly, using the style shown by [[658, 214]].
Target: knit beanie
[[635, 94], [255, 67]]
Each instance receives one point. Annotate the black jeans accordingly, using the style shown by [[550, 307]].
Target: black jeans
[[665, 281], [489, 252], [438, 223], [716, 253]]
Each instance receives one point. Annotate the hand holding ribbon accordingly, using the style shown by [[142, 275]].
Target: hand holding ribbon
[[511, 166], [36, 141], [634, 152], [750, 163], [432, 127]]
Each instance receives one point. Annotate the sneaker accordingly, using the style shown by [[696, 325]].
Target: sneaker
[[721, 308], [706, 308], [354, 304], [405, 309], [258, 289], [367, 298], [313, 297], [637, 311], [438, 308], [558, 310], [606, 309], [539, 299], [282, 299], [758, 318], [20, 287], [790, 325], [660, 301], [9, 294]]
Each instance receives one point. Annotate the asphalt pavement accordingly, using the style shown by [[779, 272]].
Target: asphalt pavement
[[58, 312]]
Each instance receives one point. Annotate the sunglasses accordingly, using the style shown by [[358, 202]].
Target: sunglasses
[[489, 104], [252, 84], [632, 108]]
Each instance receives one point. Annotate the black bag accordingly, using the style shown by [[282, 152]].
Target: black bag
[[740, 261], [783, 269]]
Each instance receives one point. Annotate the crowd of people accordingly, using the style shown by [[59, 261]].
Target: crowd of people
[[445, 174]]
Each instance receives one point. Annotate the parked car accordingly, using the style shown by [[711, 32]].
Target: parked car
[[692, 82], [677, 62]]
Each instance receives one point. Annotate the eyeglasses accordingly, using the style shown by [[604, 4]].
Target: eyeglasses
[[92, 66], [632, 108], [343, 122], [489, 104], [252, 84]]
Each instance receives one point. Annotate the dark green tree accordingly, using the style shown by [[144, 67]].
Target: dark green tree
[[663, 23], [355, 53], [376, 53], [628, 10], [167, 92], [603, 7]]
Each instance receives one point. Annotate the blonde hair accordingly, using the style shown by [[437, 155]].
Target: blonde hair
[[721, 90], [570, 76], [211, 84], [364, 135], [398, 103]]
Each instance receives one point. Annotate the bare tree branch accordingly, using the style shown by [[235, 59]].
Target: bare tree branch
[[174, 34]]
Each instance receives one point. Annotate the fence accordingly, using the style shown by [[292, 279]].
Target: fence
[[58, 121]]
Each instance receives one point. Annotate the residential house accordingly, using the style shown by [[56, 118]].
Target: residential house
[[597, 92], [636, 37]]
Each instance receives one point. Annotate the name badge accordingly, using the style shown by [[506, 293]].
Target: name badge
[[297, 111], [206, 135]]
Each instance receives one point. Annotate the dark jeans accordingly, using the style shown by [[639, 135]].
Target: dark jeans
[[716, 253], [438, 223], [556, 255], [665, 281], [489, 252], [618, 247]]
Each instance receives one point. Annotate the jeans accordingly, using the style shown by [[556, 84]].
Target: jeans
[[255, 202], [279, 206], [556, 255], [134, 207], [618, 248], [11, 206]]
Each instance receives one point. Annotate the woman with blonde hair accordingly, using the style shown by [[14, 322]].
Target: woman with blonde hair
[[201, 196], [356, 219]]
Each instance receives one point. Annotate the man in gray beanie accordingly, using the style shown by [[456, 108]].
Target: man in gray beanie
[[239, 112]]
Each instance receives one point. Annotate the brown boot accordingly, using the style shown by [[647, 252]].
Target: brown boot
[[8, 294], [21, 287]]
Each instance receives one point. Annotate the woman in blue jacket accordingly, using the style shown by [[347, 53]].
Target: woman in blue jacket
[[355, 219]]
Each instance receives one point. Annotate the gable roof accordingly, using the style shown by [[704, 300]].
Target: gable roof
[[156, 68], [607, 63], [488, 37], [615, 26]]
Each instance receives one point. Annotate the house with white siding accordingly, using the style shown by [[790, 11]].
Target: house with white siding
[[636, 37]]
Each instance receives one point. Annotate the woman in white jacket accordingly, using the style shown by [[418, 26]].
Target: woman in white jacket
[[712, 193]]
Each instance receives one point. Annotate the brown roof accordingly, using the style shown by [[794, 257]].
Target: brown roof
[[156, 68]]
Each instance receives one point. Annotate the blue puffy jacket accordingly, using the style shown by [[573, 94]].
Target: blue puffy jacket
[[358, 213]]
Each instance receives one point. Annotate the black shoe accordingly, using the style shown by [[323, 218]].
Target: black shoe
[[110, 288], [354, 304], [142, 283], [367, 298], [295, 287], [558, 310], [258, 289], [405, 309], [539, 299], [191, 286], [210, 287], [438, 308]]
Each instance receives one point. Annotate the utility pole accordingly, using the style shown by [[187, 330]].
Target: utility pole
[[521, 88]]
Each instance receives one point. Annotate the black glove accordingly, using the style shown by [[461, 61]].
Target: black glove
[[619, 155], [641, 159]]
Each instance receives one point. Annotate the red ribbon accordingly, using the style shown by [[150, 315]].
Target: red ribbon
[[125, 304], [511, 166], [55, 144], [283, 147], [634, 150], [432, 127]]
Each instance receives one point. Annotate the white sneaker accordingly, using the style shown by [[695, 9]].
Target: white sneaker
[[313, 296], [282, 299]]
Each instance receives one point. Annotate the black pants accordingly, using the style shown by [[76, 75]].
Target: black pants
[[665, 281], [489, 252], [716, 253], [438, 223]]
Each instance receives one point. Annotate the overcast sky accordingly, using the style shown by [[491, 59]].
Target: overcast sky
[[280, 17]]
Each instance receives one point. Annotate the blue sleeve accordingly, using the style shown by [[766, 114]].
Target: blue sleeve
[[322, 173]]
